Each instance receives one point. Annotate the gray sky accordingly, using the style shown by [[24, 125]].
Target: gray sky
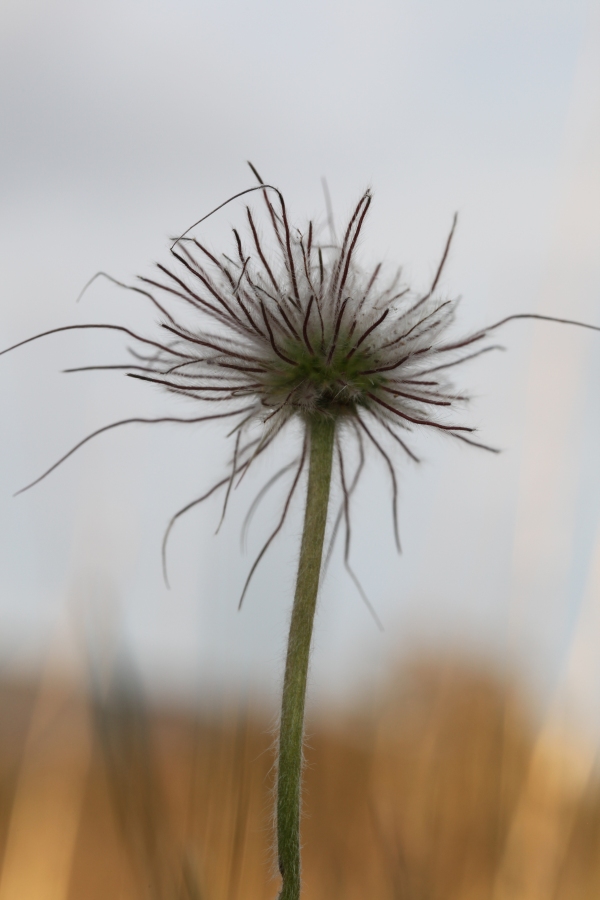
[[124, 123]]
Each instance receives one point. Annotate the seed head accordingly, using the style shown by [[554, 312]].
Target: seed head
[[306, 332], [290, 327]]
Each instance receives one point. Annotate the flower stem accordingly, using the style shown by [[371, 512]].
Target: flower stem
[[289, 776]]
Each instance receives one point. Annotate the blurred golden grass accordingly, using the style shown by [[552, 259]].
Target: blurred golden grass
[[441, 790]]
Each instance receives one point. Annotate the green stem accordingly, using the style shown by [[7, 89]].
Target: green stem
[[289, 776]]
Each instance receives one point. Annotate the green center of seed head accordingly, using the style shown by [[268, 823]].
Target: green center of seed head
[[314, 382]]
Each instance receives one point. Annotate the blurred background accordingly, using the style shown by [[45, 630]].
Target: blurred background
[[122, 124]]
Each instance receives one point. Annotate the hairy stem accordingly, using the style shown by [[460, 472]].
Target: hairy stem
[[289, 775]]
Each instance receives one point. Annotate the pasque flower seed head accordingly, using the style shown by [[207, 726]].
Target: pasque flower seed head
[[307, 333], [291, 327]]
